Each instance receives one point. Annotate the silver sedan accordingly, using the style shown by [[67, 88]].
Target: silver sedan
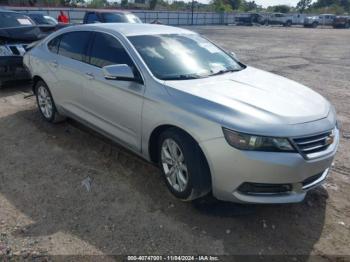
[[173, 97]]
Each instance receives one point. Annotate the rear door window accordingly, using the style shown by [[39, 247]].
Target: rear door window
[[74, 45]]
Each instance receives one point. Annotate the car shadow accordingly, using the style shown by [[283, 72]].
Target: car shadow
[[125, 208], [16, 87]]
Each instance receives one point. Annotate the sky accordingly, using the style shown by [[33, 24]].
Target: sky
[[266, 3]]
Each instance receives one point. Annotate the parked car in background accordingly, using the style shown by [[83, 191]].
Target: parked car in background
[[280, 19], [46, 23], [17, 31], [102, 16], [341, 22], [211, 123], [311, 21], [41, 19], [250, 19], [326, 19]]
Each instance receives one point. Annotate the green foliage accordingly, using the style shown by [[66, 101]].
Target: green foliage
[[280, 8], [124, 3], [221, 6], [97, 3], [331, 6], [235, 4], [152, 4], [249, 6], [303, 5]]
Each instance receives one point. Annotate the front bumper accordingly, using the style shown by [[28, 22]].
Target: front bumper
[[231, 168], [12, 69]]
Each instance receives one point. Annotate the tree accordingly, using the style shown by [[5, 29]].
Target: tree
[[281, 8], [249, 6], [124, 3], [221, 6], [152, 4], [235, 4], [97, 3], [345, 4], [303, 5]]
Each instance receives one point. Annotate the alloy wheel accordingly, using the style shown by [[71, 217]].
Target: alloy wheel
[[174, 166], [45, 102]]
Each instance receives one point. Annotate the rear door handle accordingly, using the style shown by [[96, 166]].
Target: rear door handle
[[89, 76], [54, 64]]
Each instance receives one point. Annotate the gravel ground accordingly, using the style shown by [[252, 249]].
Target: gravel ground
[[64, 190]]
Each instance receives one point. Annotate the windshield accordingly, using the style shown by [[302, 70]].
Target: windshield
[[120, 18], [8, 19], [180, 57]]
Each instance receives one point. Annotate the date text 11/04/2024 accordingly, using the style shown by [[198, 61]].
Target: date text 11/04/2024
[[173, 258]]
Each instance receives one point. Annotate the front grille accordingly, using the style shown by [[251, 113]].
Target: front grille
[[14, 50], [17, 49], [314, 144]]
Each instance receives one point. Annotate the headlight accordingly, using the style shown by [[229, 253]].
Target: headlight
[[257, 143], [4, 51]]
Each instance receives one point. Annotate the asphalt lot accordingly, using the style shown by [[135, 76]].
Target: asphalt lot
[[46, 209]]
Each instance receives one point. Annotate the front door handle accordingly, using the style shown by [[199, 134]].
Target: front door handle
[[89, 76]]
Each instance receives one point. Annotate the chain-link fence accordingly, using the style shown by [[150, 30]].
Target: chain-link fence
[[165, 17]]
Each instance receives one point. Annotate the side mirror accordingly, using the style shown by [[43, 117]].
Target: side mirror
[[120, 72], [234, 56]]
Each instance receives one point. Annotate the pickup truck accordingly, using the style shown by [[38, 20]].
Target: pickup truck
[[280, 19], [311, 21], [250, 19], [341, 22], [326, 19], [104, 16]]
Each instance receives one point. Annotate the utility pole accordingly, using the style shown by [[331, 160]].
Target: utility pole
[[192, 7]]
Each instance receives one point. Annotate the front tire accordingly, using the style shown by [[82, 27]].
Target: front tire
[[288, 24], [46, 103], [183, 165]]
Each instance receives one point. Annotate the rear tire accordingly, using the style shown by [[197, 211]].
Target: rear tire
[[46, 104], [183, 165]]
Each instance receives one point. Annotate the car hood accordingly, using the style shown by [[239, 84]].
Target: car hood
[[22, 34], [256, 95]]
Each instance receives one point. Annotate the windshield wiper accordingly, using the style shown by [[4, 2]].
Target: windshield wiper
[[225, 71], [182, 77]]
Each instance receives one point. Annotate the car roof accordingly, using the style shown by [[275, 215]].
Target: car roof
[[8, 11], [130, 29], [34, 14]]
